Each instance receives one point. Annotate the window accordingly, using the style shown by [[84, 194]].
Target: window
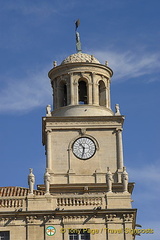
[[63, 94], [82, 89], [4, 235], [79, 234], [102, 93]]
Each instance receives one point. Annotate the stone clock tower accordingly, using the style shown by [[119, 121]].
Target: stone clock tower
[[82, 135], [84, 153]]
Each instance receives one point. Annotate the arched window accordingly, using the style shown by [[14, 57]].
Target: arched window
[[63, 94], [102, 93], [82, 91]]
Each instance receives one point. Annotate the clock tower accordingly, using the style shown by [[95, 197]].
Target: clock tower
[[84, 152], [82, 135]]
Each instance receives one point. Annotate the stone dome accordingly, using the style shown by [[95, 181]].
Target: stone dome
[[80, 57]]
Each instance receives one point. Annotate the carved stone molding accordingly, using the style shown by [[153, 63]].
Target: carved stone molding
[[31, 219], [83, 131], [128, 217], [48, 218], [111, 217], [76, 219]]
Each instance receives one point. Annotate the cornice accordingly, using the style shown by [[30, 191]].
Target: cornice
[[86, 118], [71, 67], [67, 212], [91, 188]]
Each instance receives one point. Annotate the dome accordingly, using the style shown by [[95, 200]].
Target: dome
[[80, 57]]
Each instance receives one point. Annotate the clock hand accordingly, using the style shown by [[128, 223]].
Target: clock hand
[[83, 151], [80, 144]]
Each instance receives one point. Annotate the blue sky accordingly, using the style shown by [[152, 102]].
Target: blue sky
[[126, 33]]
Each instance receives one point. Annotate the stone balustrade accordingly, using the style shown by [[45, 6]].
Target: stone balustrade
[[79, 201], [11, 202]]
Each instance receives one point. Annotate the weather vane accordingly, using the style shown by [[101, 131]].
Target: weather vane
[[78, 42]]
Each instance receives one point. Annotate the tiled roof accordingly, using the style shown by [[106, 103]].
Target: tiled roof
[[80, 57], [17, 192]]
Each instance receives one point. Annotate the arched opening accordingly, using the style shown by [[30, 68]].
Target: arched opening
[[102, 93], [63, 94], [82, 91]]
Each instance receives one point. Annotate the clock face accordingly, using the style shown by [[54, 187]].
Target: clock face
[[84, 148]]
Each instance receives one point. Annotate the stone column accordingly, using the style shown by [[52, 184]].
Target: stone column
[[89, 93], [48, 150], [119, 149], [108, 95], [95, 90], [58, 96], [68, 93], [76, 94], [71, 89]]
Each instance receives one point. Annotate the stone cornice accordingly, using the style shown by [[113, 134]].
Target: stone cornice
[[55, 213], [73, 67], [81, 188], [119, 119]]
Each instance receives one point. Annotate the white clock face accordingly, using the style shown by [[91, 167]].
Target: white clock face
[[84, 148]]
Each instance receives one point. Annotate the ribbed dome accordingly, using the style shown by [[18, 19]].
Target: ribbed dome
[[80, 57]]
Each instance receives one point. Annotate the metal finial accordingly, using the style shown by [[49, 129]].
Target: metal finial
[[77, 23]]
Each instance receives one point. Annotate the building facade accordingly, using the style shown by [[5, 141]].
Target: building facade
[[86, 194]]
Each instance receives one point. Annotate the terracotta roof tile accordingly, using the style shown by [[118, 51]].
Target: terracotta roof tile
[[17, 192]]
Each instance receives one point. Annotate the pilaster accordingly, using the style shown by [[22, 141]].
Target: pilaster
[[71, 89], [119, 153], [49, 150]]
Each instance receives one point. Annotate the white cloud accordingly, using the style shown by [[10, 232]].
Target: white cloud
[[42, 9], [129, 65], [26, 93], [147, 179], [147, 173]]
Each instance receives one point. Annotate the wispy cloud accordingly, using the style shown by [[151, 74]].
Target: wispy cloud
[[42, 9], [147, 178], [129, 64], [25, 94], [150, 173], [34, 90]]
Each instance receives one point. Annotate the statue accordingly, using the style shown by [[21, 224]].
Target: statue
[[55, 63], [48, 110], [109, 180], [117, 110], [125, 180], [78, 42], [31, 181], [47, 180]]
